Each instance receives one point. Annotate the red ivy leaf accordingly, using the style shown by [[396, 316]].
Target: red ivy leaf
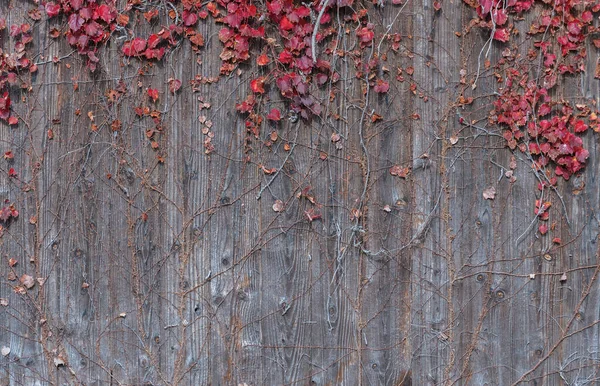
[[4, 106], [174, 85], [134, 47], [486, 6], [543, 229], [574, 28], [153, 41], [153, 94], [12, 173], [366, 36], [274, 115], [257, 85], [262, 60], [580, 126], [52, 9], [381, 86], [285, 24], [501, 35], [189, 18], [105, 13], [582, 154], [75, 22]]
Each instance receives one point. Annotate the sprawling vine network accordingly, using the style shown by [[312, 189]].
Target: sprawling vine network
[[292, 43]]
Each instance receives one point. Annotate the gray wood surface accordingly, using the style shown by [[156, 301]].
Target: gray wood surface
[[429, 285]]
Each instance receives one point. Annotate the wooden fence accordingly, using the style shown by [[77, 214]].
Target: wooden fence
[[172, 266]]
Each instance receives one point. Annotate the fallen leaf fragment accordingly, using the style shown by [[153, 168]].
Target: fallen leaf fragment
[[489, 193], [278, 206], [311, 215], [399, 171], [563, 278], [5, 351], [27, 281]]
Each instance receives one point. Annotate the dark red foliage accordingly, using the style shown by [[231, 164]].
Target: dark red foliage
[[8, 212], [5, 106]]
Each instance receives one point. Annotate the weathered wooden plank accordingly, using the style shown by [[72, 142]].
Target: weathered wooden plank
[[174, 272]]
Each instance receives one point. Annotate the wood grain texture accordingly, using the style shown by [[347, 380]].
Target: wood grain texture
[[415, 281]]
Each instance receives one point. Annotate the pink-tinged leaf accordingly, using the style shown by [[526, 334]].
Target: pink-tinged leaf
[[381, 86], [15, 30], [486, 6], [76, 4], [85, 13], [275, 7], [226, 34], [189, 18], [534, 148], [501, 34], [549, 60], [12, 120], [274, 115], [544, 110], [543, 229], [574, 28], [174, 85], [582, 154], [52, 9], [285, 86], [321, 79], [92, 29], [75, 22], [587, 17], [153, 94], [557, 240], [499, 16], [12, 173], [302, 89]]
